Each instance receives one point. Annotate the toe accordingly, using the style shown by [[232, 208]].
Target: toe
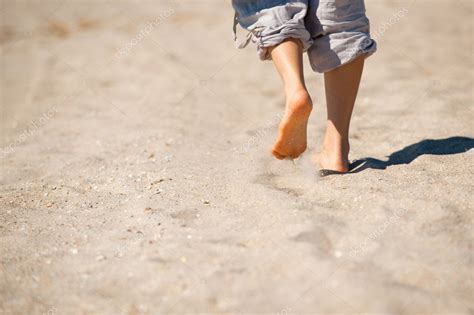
[[295, 155], [278, 155]]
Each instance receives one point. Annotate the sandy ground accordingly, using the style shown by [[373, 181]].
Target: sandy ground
[[136, 176]]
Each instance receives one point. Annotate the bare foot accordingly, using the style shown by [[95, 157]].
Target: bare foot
[[291, 140], [335, 159]]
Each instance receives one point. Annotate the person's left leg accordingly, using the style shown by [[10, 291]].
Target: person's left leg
[[278, 28], [291, 139], [341, 85]]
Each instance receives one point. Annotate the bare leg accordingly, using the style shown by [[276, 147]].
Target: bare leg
[[342, 85], [291, 139]]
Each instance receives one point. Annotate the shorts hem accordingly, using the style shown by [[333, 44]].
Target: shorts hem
[[335, 62], [262, 50]]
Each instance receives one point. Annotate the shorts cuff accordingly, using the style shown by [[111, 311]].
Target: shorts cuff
[[274, 37], [343, 53]]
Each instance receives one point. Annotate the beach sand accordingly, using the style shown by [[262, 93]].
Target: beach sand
[[136, 174]]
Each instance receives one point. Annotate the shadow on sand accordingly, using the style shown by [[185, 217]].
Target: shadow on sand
[[452, 145]]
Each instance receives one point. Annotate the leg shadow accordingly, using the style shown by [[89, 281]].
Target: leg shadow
[[452, 145]]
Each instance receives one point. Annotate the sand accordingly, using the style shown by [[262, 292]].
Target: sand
[[136, 175]]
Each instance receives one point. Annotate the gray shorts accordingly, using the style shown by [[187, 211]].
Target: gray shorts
[[333, 32]]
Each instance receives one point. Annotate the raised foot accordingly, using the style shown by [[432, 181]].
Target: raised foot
[[291, 139]]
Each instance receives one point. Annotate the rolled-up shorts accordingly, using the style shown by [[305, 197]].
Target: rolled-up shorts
[[333, 32]]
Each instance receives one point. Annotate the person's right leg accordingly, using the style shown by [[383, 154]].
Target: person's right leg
[[342, 42], [342, 85], [291, 139]]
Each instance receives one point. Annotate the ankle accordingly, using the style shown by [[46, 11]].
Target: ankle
[[335, 141], [299, 100], [338, 144], [337, 147], [294, 88]]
